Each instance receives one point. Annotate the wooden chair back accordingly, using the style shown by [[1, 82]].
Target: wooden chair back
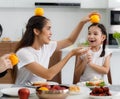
[[8, 78], [55, 58]]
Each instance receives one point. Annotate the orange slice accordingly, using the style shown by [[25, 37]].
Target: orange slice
[[43, 88]]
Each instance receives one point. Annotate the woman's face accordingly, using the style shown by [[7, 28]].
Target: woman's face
[[45, 35], [95, 36]]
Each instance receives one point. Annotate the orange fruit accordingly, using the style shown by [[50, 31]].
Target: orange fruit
[[43, 88], [95, 18], [14, 59], [39, 11]]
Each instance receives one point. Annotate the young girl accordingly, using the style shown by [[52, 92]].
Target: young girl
[[96, 62]]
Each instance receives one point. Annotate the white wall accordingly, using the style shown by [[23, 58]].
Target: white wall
[[63, 19]]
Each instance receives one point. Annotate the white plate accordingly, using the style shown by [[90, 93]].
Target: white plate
[[5, 86], [48, 82], [83, 90], [13, 91], [91, 87], [114, 94]]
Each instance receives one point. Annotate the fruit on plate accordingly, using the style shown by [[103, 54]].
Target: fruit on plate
[[95, 18], [23, 93], [47, 86], [43, 88], [14, 59], [101, 91], [51, 87], [39, 83], [74, 88], [95, 83]]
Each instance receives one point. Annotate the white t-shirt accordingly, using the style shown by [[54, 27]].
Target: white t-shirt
[[28, 55], [89, 72]]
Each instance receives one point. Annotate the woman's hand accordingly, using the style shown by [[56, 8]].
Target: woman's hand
[[87, 18], [79, 51], [5, 62]]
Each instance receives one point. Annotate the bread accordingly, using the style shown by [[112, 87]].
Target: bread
[[74, 88], [39, 83]]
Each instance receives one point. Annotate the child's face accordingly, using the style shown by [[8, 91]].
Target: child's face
[[95, 36]]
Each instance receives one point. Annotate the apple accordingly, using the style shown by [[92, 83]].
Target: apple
[[23, 93]]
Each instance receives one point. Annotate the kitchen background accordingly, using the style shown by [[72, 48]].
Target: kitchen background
[[14, 15]]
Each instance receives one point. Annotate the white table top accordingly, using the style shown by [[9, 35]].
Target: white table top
[[83, 95]]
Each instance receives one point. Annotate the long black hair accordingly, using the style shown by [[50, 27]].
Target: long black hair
[[104, 32], [35, 22]]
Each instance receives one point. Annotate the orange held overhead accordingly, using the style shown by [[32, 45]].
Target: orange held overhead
[[39, 11], [95, 18], [14, 59]]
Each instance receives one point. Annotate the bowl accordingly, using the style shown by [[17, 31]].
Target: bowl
[[53, 92]]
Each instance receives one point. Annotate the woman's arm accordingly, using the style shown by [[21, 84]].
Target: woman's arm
[[75, 33], [51, 72]]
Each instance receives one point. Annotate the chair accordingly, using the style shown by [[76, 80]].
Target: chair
[[109, 77], [8, 78], [77, 75], [55, 58]]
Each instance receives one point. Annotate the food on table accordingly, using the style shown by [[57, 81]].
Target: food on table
[[43, 88], [95, 18], [100, 91], [95, 83], [23, 93], [53, 92], [52, 88], [74, 88], [39, 83], [14, 59]]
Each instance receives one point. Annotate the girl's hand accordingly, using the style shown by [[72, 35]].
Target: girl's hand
[[89, 58]]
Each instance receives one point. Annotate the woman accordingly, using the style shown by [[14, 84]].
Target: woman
[[5, 62], [36, 48]]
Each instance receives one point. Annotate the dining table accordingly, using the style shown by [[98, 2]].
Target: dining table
[[83, 95]]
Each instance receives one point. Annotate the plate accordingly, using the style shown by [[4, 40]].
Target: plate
[[114, 94], [13, 91], [83, 90], [30, 84], [53, 93], [5, 86], [91, 87]]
